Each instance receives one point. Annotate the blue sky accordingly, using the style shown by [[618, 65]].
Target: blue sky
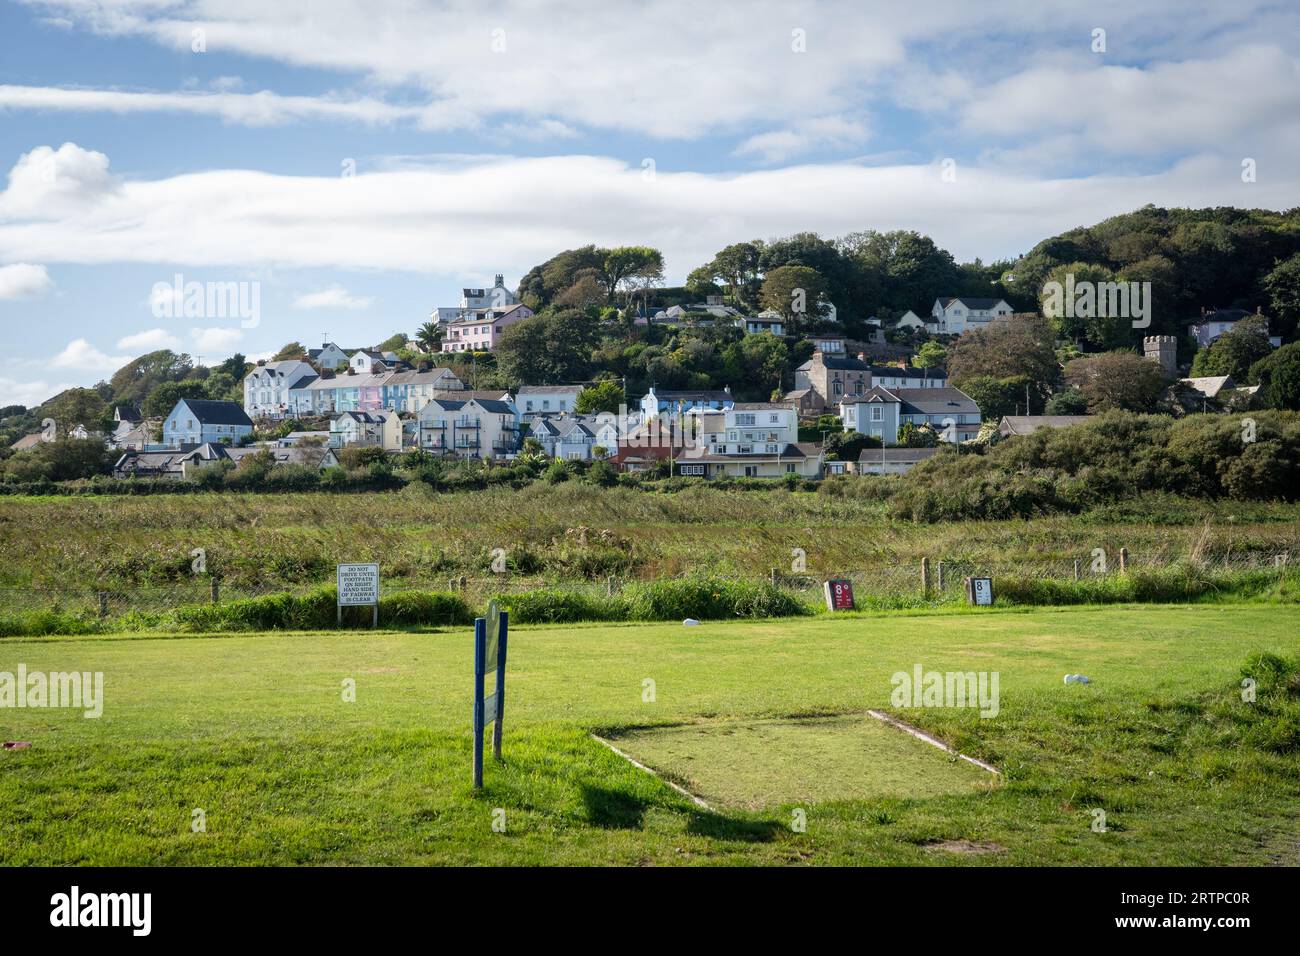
[[486, 137]]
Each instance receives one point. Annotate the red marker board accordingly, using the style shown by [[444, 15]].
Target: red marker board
[[839, 595]]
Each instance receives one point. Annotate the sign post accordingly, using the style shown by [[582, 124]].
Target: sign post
[[491, 635], [979, 591], [839, 594], [358, 586]]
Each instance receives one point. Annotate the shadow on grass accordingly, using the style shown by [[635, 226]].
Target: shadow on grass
[[613, 809], [717, 827]]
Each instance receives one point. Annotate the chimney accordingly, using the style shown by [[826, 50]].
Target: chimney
[[500, 280]]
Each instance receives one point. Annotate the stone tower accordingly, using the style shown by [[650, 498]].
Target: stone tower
[[1163, 350]]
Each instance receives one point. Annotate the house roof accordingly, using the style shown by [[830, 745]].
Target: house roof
[[703, 395], [495, 406], [27, 442], [971, 303], [894, 455], [548, 389], [490, 315], [213, 412], [877, 393], [834, 362], [934, 401], [127, 413], [427, 377], [1028, 424], [465, 394], [791, 450], [762, 407], [1209, 385], [328, 345]]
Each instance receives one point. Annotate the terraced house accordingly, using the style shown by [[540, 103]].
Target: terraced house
[[269, 389], [473, 428]]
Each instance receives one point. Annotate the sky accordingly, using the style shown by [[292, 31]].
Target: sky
[[348, 165]]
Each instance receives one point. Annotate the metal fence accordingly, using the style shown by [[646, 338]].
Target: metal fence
[[936, 579]]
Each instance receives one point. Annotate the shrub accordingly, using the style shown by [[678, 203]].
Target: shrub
[[426, 608], [562, 606]]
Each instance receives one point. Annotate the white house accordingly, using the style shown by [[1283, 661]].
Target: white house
[[891, 461], [569, 437], [497, 297], [534, 400], [268, 388], [382, 429], [197, 421], [473, 428], [328, 356], [1215, 323], [882, 412], [372, 362], [751, 440], [765, 321], [653, 403], [954, 316], [910, 320]]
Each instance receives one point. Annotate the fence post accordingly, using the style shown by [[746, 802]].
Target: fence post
[[103, 604], [925, 577], [1123, 560], [1076, 569], [772, 575], [216, 589], [938, 577], [609, 586]]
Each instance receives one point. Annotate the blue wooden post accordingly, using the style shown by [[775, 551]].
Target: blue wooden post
[[480, 652], [501, 684]]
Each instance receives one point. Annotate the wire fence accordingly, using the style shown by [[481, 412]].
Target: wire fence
[[938, 579]]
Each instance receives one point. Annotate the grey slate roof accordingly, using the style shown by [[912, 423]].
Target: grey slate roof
[[212, 412]]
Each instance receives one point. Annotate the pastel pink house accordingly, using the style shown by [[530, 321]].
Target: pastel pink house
[[480, 329]]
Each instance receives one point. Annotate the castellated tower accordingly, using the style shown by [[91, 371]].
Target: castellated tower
[[1163, 350]]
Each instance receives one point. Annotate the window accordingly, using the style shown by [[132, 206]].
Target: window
[[744, 449], [546, 404], [789, 468], [771, 449], [774, 418], [692, 469], [744, 419], [837, 387], [530, 405], [751, 471], [877, 413]]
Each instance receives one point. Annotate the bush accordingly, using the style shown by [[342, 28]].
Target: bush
[[709, 599], [424, 608], [562, 606]]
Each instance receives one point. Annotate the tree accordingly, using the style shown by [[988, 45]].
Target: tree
[[164, 396], [1069, 402], [394, 342], [1278, 377], [136, 379], [290, 350], [548, 349], [917, 436], [1235, 351], [631, 269], [798, 293], [997, 397], [1005, 348], [604, 396], [76, 406], [429, 337], [908, 268], [1282, 286], [736, 266], [930, 355], [1076, 307], [1117, 380]]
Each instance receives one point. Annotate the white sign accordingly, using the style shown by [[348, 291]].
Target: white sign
[[981, 591], [358, 584]]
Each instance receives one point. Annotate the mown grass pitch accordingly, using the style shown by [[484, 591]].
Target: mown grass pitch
[[254, 731]]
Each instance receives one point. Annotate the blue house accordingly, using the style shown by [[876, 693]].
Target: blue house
[[195, 421], [653, 403]]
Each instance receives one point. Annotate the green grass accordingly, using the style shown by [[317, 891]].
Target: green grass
[[252, 728], [755, 764]]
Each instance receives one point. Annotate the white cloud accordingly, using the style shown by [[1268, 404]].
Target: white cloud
[[48, 183], [449, 218], [335, 297], [672, 69], [30, 394], [80, 354], [215, 339], [263, 108], [148, 341], [805, 136], [24, 281]]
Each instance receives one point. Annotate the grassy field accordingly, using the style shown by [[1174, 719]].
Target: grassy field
[[139, 551], [254, 731]]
